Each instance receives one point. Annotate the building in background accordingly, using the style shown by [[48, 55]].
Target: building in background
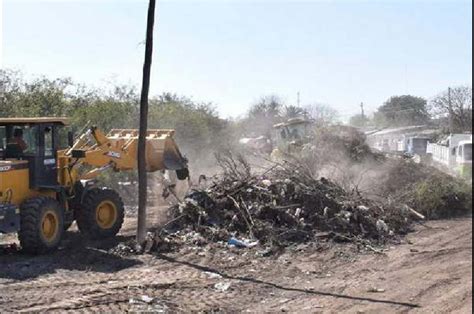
[[409, 139]]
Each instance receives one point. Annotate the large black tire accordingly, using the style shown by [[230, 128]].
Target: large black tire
[[101, 214], [41, 225]]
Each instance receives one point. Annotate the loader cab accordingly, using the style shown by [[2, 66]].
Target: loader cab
[[294, 132], [35, 140]]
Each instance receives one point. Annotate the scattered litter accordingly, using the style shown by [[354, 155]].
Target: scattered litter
[[241, 243], [146, 304], [382, 226], [222, 286], [147, 299], [125, 249], [266, 252], [212, 275], [376, 290], [142, 299]]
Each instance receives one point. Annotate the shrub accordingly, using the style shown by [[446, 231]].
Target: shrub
[[441, 197]]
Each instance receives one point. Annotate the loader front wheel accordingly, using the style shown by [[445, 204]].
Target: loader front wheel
[[41, 225], [101, 214]]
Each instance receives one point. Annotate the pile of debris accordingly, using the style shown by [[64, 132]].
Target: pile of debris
[[345, 142], [280, 206]]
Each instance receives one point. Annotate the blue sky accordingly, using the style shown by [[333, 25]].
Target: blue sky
[[233, 52]]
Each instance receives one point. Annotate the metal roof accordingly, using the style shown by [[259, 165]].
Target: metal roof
[[63, 121], [465, 142], [405, 129], [293, 121]]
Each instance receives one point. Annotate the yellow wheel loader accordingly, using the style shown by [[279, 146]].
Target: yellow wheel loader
[[45, 185], [290, 137]]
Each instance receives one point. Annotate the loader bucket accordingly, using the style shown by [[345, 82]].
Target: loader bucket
[[162, 152], [172, 161]]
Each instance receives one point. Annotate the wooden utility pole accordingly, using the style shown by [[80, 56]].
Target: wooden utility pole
[[142, 175], [362, 113]]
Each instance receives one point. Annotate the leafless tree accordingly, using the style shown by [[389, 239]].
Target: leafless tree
[[321, 113], [456, 104]]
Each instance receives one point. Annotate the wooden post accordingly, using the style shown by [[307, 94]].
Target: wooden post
[[142, 175]]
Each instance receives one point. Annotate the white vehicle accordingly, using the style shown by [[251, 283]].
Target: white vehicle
[[454, 153]]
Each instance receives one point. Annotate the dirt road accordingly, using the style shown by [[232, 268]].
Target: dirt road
[[429, 272]]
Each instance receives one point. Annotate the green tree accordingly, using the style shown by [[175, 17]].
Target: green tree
[[40, 97], [106, 114], [291, 111], [199, 128], [262, 116], [10, 90], [402, 111], [267, 107]]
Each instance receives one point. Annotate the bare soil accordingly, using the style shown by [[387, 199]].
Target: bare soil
[[430, 271]]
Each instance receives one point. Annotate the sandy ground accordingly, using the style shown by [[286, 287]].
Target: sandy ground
[[430, 272]]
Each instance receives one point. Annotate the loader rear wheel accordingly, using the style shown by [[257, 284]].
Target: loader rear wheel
[[101, 214], [41, 225]]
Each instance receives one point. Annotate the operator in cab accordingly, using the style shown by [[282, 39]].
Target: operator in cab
[[18, 139], [16, 145]]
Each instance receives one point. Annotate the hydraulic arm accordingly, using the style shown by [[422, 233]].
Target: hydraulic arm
[[118, 151]]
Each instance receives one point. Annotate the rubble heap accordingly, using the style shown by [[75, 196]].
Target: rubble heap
[[343, 142], [282, 205]]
